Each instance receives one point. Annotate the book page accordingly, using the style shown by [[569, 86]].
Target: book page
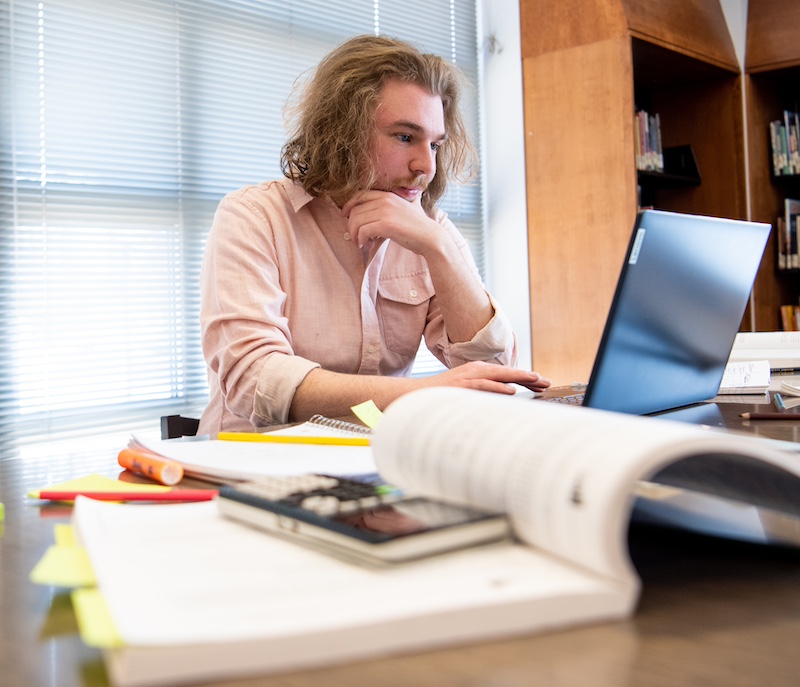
[[565, 475], [782, 349]]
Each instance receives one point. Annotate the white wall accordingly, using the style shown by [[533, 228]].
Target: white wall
[[735, 12], [504, 167], [504, 155]]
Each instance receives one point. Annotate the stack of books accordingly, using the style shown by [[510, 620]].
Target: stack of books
[[647, 132], [785, 144]]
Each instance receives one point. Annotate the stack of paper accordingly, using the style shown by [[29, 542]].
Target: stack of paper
[[746, 377], [216, 460]]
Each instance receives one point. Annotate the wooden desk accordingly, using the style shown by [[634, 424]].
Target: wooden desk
[[712, 613]]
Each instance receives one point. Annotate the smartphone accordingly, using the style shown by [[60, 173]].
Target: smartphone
[[353, 519]]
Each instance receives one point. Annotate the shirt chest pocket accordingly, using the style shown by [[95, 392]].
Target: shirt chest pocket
[[403, 310]]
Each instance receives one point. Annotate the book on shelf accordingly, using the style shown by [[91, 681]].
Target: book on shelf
[[782, 244], [790, 125], [790, 317], [788, 235], [776, 147], [224, 600]]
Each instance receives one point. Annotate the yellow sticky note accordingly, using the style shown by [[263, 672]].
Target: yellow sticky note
[[64, 566], [64, 534], [368, 413], [95, 624], [98, 483]]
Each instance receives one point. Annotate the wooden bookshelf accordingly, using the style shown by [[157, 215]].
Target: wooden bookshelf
[[586, 65], [772, 83]]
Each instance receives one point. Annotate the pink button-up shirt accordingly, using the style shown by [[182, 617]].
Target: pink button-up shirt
[[286, 289]]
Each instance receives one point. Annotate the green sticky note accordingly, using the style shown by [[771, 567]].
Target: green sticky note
[[368, 413], [95, 624], [2, 512], [64, 566]]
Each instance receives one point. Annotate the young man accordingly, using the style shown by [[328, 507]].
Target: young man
[[317, 289]]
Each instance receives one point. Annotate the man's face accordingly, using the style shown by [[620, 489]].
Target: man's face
[[409, 128]]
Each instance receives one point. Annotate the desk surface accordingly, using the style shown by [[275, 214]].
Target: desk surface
[[711, 613]]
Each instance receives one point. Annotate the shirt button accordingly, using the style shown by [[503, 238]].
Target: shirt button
[[370, 349], [413, 293], [346, 236]]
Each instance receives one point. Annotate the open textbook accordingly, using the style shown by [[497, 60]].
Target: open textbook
[[782, 349], [224, 600]]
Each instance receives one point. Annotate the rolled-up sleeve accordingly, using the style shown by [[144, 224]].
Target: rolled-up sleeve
[[277, 383], [494, 343]]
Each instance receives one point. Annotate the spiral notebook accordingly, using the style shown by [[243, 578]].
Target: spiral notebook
[[317, 430], [319, 425]]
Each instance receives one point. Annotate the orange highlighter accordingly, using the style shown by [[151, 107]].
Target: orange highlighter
[[150, 465]]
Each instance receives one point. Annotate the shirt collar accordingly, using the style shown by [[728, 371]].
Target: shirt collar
[[298, 196]]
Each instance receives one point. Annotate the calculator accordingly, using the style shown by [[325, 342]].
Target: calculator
[[362, 520]]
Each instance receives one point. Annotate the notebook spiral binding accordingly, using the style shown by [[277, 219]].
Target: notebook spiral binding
[[349, 427]]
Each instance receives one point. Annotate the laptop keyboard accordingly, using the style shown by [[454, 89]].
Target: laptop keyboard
[[571, 399]]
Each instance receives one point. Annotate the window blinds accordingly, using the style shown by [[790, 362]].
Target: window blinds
[[123, 123]]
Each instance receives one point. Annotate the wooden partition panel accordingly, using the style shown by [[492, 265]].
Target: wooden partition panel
[[696, 28], [772, 34], [581, 197]]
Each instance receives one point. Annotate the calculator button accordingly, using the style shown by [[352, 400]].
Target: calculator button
[[321, 505], [312, 502], [351, 506]]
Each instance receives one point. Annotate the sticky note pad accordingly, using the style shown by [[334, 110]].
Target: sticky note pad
[[95, 624], [64, 534], [64, 566], [368, 413]]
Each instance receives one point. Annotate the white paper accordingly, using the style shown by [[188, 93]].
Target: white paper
[[746, 375]]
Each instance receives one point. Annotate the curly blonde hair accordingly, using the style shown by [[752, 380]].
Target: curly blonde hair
[[328, 151]]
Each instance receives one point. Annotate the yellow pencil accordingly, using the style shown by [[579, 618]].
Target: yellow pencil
[[292, 439]]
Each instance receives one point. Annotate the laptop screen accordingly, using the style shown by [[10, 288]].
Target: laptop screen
[[679, 302]]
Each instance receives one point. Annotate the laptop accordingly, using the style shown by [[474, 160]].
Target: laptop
[[678, 305]]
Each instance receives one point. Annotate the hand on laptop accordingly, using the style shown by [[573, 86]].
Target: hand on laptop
[[488, 377]]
